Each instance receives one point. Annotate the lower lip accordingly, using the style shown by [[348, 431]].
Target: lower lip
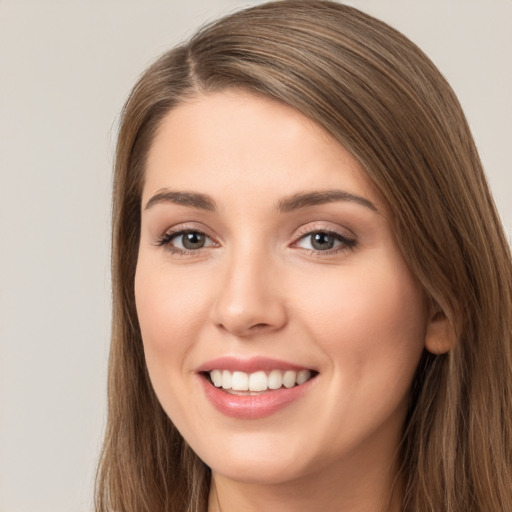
[[253, 406]]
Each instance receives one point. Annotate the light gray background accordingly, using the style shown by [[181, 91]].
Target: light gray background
[[65, 69]]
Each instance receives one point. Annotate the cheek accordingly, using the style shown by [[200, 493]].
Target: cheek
[[167, 307], [371, 328], [169, 310], [381, 300], [370, 321]]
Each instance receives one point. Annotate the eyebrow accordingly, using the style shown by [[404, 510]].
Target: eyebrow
[[190, 199], [287, 204], [303, 200]]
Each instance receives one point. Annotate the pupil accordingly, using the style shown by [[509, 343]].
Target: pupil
[[193, 240], [322, 241]]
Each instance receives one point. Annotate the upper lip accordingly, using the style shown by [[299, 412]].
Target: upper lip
[[250, 365]]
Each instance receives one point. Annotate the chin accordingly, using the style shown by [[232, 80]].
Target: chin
[[259, 472], [259, 462]]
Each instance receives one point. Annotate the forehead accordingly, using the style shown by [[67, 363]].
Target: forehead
[[235, 141]]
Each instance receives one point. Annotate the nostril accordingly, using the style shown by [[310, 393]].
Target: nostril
[[259, 326]]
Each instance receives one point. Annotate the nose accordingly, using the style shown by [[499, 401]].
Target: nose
[[249, 299]]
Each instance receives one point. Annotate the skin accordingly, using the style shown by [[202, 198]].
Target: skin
[[354, 313]]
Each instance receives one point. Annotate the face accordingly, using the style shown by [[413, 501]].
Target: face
[[281, 326]]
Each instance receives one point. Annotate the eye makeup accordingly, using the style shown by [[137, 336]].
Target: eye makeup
[[318, 240]]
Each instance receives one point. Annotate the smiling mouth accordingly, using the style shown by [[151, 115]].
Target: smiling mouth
[[242, 383]]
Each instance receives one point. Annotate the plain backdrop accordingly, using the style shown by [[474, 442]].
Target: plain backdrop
[[66, 68]]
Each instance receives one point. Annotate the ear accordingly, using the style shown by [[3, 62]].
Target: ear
[[441, 335]]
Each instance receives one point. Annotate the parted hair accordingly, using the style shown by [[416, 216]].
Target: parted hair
[[384, 101]]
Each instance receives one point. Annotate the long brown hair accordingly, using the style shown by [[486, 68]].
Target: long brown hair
[[384, 101]]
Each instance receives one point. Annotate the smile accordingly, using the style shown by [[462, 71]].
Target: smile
[[254, 388], [241, 382]]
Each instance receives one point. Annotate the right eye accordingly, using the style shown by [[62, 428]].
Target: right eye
[[185, 241]]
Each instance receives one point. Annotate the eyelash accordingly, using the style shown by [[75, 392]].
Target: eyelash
[[346, 243], [165, 240]]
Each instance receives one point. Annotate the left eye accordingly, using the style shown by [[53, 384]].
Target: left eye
[[323, 241]]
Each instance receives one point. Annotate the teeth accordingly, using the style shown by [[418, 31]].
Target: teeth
[[289, 379], [216, 376], [226, 379], [303, 376], [258, 381], [275, 379], [240, 381]]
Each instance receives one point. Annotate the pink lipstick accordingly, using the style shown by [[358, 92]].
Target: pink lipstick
[[253, 388]]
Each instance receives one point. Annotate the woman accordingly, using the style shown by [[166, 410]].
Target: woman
[[312, 290]]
